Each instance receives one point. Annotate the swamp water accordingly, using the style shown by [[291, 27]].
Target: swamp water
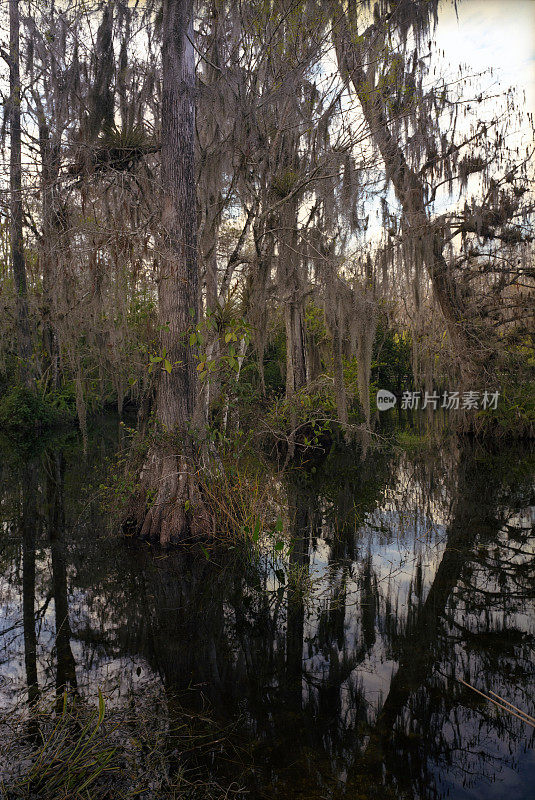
[[329, 666]]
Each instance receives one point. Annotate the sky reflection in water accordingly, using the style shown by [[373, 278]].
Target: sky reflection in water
[[341, 659]]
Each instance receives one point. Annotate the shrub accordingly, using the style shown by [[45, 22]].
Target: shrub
[[23, 411], [515, 415]]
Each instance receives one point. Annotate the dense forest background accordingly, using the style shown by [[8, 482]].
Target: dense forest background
[[227, 229], [251, 216]]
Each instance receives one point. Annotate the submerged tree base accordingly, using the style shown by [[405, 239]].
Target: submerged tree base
[[168, 507]]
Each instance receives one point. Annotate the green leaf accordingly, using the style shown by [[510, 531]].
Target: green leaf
[[228, 337], [279, 545], [193, 338], [167, 366], [256, 532], [278, 525], [205, 551]]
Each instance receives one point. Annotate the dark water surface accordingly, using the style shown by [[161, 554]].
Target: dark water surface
[[336, 659]]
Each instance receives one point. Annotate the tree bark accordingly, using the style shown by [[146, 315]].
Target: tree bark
[[18, 265], [170, 473], [178, 279], [292, 292], [338, 373], [50, 245]]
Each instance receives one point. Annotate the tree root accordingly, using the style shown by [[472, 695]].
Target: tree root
[[169, 507]]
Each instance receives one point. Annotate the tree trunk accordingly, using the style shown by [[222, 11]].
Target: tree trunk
[[170, 473], [292, 292], [16, 215], [50, 245], [208, 247], [259, 282], [409, 190], [338, 373]]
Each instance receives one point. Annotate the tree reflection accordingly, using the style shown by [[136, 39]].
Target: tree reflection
[[28, 523], [54, 467], [412, 729], [333, 669]]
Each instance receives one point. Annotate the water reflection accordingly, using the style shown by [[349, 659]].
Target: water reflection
[[29, 521], [54, 470], [339, 660]]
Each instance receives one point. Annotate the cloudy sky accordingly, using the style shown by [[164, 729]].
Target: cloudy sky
[[492, 33]]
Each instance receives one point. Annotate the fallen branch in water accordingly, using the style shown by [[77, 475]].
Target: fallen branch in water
[[505, 704]]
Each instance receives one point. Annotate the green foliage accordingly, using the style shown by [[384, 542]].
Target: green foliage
[[309, 414], [391, 365], [274, 361], [121, 149], [81, 753], [23, 412], [514, 416], [284, 183], [233, 334], [64, 399], [162, 362], [412, 441], [141, 315], [242, 503], [351, 384], [315, 324]]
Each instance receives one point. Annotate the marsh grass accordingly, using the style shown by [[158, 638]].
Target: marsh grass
[[75, 752], [72, 757], [302, 585], [245, 505]]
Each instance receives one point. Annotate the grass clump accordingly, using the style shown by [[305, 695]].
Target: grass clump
[[243, 504], [69, 751], [73, 758]]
